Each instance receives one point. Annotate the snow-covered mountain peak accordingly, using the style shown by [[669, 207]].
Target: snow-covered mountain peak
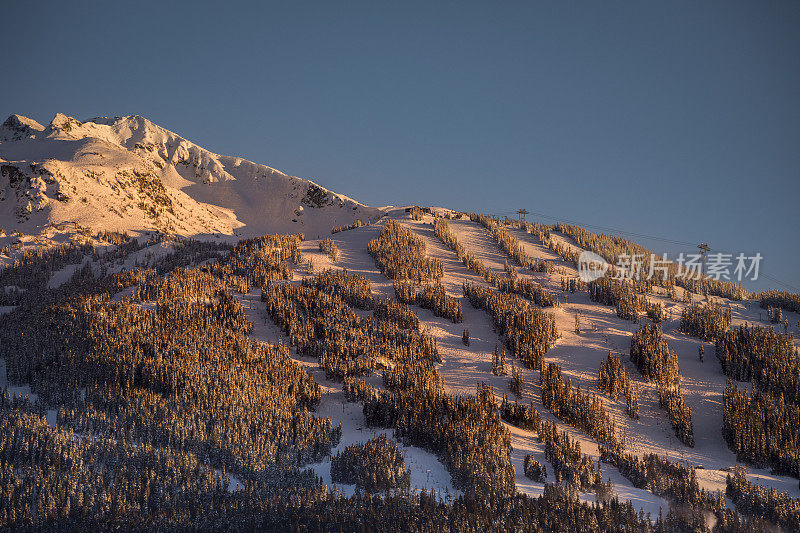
[[128, 173], [62, 122], [17, 127]]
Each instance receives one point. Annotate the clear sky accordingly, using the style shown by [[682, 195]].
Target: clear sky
[[672, 119]]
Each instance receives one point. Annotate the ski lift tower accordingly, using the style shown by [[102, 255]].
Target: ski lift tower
[[704, 249]]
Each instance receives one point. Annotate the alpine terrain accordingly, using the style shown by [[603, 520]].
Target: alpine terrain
[[191, 341]]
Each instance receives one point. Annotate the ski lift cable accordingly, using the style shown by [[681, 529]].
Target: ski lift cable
[[611, 230]]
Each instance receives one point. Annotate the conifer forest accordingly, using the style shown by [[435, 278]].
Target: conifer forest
[[197, 387]]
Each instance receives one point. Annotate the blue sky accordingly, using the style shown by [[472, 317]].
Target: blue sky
[[672, 119]]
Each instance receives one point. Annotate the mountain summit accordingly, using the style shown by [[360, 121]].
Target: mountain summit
[[129, 174]]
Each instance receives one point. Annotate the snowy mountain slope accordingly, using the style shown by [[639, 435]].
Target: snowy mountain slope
[[579, 354], [462, 366], [129, 174]]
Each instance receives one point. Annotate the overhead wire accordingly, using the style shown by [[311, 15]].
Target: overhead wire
[[611, 230]]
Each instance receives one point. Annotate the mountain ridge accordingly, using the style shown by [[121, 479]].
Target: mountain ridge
[[130, 174]]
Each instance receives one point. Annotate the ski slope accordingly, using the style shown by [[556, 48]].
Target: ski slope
[[579, 355]]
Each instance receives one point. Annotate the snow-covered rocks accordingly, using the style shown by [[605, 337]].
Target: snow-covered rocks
[[129, 174]]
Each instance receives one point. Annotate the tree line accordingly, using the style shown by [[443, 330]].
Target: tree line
[[788, 301], [759, 355], [356, 224], [527, 331], [510, 283], [761, 429], [376, 465], [614, 380], [610, 248], [570, 464], [534, 470], [400, 255], [430, 296], [329, 248], [654, 359], [677, 483], [582, 410], [621, 296], [322, 325], [511, 246], [464, 432], [755, 500], [708, 322]]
